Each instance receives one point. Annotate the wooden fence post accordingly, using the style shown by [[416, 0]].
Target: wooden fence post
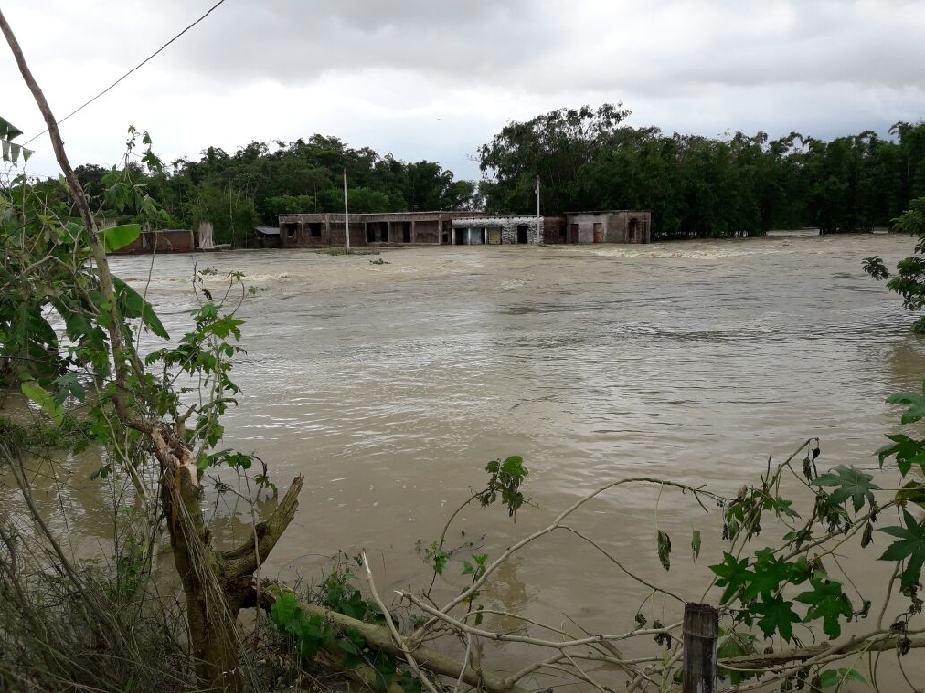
[[701, 632]]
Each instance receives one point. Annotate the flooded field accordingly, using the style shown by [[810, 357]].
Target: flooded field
[[390, 386]]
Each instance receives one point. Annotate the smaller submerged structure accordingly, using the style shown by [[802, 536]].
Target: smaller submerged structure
[[613, 226]]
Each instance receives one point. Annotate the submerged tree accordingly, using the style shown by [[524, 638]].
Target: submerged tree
[[909, 279]]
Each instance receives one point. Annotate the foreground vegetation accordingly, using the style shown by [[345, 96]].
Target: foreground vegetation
[[125, 620]]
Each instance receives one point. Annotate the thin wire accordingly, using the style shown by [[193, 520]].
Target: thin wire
[[138, 66]]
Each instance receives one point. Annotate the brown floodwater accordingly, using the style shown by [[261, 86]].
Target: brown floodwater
[[391, 386]]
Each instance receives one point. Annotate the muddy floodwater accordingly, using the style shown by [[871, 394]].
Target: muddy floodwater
[[390, 386]]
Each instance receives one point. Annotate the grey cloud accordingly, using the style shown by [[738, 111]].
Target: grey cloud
[[293, 42], [378, 71]]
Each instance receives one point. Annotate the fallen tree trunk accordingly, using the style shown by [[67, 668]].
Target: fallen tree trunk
[[379, 638], [881, 642]]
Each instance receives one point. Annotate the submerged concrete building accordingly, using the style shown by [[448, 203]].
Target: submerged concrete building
[[508, 230], [161, 241], [410, 228], [497, 230], [613, 226], [463, 228]]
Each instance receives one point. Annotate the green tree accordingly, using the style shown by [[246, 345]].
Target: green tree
[[909, 278]]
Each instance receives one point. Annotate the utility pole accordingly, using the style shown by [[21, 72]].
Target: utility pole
[[346, 213], [538, 218]]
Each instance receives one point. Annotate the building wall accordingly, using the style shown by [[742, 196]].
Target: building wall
[[586, 226], [555, 230], [426, 231], [637, 227], [319, 230], [623, 226], [365, 229], [513, 230], [338, 236], [164, 241]]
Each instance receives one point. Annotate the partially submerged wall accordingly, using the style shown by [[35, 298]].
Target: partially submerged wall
[[498, 230], [163, 241], [618, 226]]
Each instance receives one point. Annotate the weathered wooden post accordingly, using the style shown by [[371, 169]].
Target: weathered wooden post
[[701, 632]]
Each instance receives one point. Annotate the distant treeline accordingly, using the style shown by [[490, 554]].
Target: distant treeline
[[236, 192], [698, 186], [585, 158]]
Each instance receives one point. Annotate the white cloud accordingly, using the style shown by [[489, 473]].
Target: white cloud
[[434, 80]]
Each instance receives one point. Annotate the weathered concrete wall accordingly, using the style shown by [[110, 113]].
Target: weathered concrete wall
[[638, 225], [413, 227], [338, 236], [586, 225], [621, 226], [295, 230], [426, 231], [513, 230], [319, 230], [164, 241], [555, 230]]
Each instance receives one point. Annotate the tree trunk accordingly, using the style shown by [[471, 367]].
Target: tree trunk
[[216, 584]]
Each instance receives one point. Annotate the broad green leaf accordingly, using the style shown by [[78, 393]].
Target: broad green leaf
[[285, 609], [849, 483], [8, 131], [907, 451], [827, 601], [733, 574], [769, 574], [915, 402], [43, 398], [732, 644], [831, 678], [117, 237], [69, 385], [912, 492], [133, 305], [776, 615], [909, 546]]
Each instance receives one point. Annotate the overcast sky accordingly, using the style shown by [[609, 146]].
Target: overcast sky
[[434, 79]]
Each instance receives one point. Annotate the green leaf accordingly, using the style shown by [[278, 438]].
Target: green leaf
[[8, 131], [910, 546], [733, 574], [285, 609], [769, 574], [906, 450], [849, 483], [664, 549], [827, 601], [830, 678], [117, 237], [133, 305], [776, 615], [69, 385], [43, 398], [781, 506], [915, 402], [348, 646], [732, 644], [695, 544], [912, 492]]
